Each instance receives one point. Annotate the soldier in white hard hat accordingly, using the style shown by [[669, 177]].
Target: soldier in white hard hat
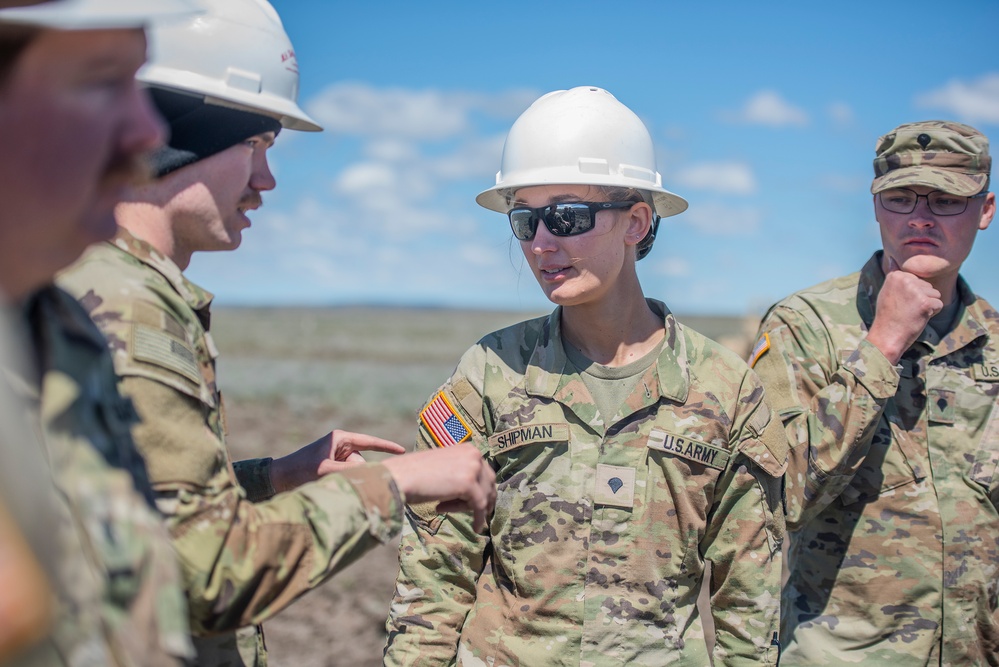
[[254, 535], [74, 125], [629, 450]]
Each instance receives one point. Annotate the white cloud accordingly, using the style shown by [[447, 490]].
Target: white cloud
[[722, 220], [767, 107], [359, 109], [722, 177], [972, 102], [392, 150], [841, 113], [365, 176]]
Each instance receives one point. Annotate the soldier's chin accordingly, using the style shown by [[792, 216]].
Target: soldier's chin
[[925, 266]]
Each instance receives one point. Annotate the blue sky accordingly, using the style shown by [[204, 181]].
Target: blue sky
[[764, 116]]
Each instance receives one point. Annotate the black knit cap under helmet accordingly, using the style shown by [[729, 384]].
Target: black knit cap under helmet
[[199, 130]]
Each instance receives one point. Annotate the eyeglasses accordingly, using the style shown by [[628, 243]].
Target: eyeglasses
[[902, 200], [566, 219]]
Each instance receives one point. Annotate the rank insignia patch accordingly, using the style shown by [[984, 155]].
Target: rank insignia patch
[[444, 423], [759, 350]]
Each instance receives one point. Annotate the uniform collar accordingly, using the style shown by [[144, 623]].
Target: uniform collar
[[196, 297], [550, 374]]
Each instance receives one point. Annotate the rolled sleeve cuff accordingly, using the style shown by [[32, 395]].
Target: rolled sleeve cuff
[[380, 497], [873, 370], [254, 475]]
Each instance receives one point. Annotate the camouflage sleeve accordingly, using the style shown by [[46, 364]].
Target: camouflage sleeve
[[243, 562], [744, 539], [829, 401], [440, 560]]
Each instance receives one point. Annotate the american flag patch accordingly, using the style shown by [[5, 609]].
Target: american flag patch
[[761, 346], [444, 424]]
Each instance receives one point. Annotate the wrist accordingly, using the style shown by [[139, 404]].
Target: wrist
[[280, 475], [891, 350]]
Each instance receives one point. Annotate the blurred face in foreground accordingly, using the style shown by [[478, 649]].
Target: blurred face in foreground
[[73, 128]]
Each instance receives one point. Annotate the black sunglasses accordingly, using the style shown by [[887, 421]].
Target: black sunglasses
[[566, 219]]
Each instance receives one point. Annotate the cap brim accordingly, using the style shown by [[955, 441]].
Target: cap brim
[[83, 15], [945, 180]]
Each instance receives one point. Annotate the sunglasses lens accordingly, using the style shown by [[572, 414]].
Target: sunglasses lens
[[569, 219], [523, 223]]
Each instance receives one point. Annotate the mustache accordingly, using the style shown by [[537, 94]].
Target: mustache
[[252, 200]]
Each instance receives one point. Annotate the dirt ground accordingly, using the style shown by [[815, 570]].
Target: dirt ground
[[291, 375]]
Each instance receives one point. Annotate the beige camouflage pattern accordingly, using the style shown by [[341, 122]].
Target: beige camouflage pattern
[[944, 155], [242, 562], [578, 569], [893, 485], [119, 599]]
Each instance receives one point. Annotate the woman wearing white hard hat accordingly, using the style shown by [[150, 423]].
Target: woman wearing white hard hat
[[629, 450]]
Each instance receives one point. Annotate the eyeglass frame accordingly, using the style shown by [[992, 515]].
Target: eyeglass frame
[[538, 215], [915, 203]]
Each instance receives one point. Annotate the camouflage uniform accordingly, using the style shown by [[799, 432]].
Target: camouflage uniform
[[242, 561], [602, 529], [119, 597], [893, 485]]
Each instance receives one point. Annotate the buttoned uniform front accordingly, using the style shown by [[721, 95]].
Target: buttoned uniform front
[[242, 561], [119, 595], [893, 485], [603, 525]]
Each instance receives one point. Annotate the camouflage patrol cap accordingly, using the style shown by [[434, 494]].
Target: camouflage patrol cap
[[940, 154]]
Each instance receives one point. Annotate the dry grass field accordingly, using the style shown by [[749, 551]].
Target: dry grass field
[[290, 375]]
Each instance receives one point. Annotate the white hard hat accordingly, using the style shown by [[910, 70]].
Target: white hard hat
[[237, 54], [582, 136], [97, 14]]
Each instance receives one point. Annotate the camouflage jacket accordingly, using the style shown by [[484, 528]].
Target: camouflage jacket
[[893, 485], [242, 561], [119, 598], [597, 548]]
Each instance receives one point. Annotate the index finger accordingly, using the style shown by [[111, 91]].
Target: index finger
[[370, 443]]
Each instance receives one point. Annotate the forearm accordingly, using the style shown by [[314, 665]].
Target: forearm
[[435, 591], [830, 408], [244, 562]]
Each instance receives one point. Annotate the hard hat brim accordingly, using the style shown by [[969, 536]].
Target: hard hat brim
[[82, 15], [667, 204]]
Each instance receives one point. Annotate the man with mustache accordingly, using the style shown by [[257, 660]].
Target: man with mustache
[[73, 123], [887, 381], [254, 535]]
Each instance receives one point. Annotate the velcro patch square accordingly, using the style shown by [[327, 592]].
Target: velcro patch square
[[615, 486]]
